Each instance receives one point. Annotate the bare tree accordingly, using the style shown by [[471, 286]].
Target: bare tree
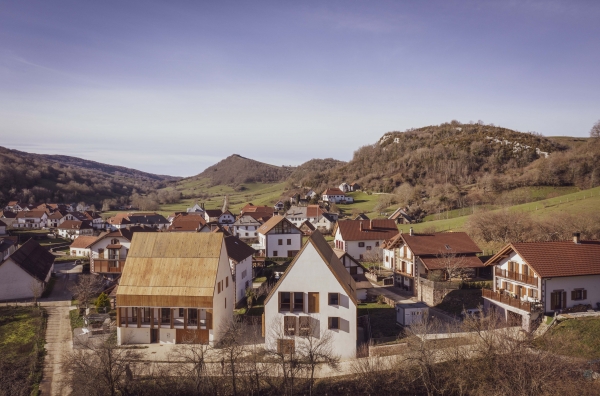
[[316, 349], [284, 353], [36, 288], [454, 265], [100, 367], [232, 349], [192, 356], [595, 131], [86, 287]]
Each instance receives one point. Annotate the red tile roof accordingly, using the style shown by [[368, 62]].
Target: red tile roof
[[187, 223], [440, 243], [367, 230], [333, 191], [75, 225], [314, 211], [550, 259], [83, 241], [34, 214]]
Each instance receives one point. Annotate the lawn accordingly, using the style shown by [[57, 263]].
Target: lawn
[[574, 337], [22, 331], [76, 320], [383, 319], [62, 259]]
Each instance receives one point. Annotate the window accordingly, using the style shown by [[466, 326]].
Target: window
[[285, 301], [360, 256], [225, 302], [114, 241], [334, 299], [275, 253], [289, 241], [376, 244], [285, 346], [101, 253], [313, 302], [165, 315], [368, 247], [304, 322], [218, 287], [558, 299], [387, 259], [334, 322], [289, 325], [181, 312], [579, 294], [280, 241], [246, 234], [299, 301], [353, 270], [226, 281], [361, 244]]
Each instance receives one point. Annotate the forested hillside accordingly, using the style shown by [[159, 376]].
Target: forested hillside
[[37, 178]]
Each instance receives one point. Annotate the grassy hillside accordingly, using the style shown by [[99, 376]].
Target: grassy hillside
[[574, 337], [236, 170]]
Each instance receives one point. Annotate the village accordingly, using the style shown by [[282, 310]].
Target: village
[[287, 277]]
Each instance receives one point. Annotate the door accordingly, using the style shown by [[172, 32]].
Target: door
[[153, 336], [558, 300]]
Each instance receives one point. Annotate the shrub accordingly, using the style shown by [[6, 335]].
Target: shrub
[[102, 302]]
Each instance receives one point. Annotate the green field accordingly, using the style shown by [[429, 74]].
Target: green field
[[22, 332], [574, 337]]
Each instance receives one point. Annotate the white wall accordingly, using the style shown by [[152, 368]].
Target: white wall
[[240, 281], [311, 274], [590, 283], [388, 258], [282, 250], [133, 335], [224, 302], [103, 243], [15, 283]]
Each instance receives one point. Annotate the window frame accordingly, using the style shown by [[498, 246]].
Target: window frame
[[337, 298], [330, 323]]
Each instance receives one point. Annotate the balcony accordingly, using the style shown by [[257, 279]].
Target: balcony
[[530, 280], [108, 266], [399, 271], [508, 300]]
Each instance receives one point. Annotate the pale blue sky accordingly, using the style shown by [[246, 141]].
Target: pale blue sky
[[173, 86]]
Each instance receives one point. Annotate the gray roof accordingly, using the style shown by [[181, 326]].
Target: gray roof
[[33, 259]]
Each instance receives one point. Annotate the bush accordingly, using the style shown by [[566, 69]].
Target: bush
[[102, 302]]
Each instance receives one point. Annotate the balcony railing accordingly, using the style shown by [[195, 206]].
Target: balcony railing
[[530, 280], [508, 300], [403, 273], [108, 266]]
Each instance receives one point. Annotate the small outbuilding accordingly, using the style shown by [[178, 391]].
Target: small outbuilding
[[409, 313]]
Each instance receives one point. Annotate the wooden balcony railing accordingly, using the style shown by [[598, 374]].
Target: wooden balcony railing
[[530, 280], [403, 273], [508, 300], [108, 266]]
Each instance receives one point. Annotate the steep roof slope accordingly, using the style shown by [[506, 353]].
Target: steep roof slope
[[33, 259]]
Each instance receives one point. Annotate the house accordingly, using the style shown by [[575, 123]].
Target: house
[[257, 211], [355, 187], [322, 220], [416, 258], [187, 223], [401, 217], [15, 206], [307, 228], [8, 245], [35, 219], [109, 251], [81, 246], [363, 239], [175, 288], [117, 222], [278, 237], [315, 296], [357, 271], [361, 216], [56, 218], [2, 228], [150, 219], [8, 218], [226, 218], [246, 227], [240, 261], [278, 206], [197, 208], [310, 195], [344, 187], [97, 221], [212, 215], [531, 278], [335, 195], [25, 273], [73, 228]]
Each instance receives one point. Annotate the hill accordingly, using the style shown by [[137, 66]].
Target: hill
[[34, 178], [235, 170], [314, 166]]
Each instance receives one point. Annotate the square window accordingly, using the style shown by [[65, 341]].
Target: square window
[[361, 244], [285, 301], [299, 301], [280, 241], [275, 253], [334, 299], [368, 247], [289, 241], [334, 322]]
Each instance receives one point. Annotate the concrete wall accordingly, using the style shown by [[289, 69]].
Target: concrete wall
[[133, 335], [311, 274], [224, 302]]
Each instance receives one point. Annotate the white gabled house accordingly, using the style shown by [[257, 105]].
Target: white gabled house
[[532, 278], [26, 270], [335, 195], [175, 288], [363, 238], [72, 229], [357, 272], [240, 260], [81, 246], [278, 206], [344, 187], [278, 237], [35, 219], [246, 227], [316, 295]]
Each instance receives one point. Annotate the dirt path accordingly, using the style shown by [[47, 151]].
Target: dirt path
[[58, 344]]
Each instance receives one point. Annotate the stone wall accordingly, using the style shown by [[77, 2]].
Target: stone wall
[[433, 293]]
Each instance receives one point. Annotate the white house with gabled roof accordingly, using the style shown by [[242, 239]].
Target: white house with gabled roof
[[315, 296], [278, 237]]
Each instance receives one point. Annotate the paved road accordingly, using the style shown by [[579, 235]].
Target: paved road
[[58, 331]]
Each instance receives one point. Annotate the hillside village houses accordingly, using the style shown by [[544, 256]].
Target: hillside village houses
[[320, 219], [246, 227], [401, 217], [150, 219], [532, 278], [357, 272], [8, 218], [71, 229], [337, 196], [197, 208], [363, 239], [81, 246], [316, 296], [188, 222], [191, 294], [34, 219], [25, 272], [278, 206], [417, 258], [278, 237]]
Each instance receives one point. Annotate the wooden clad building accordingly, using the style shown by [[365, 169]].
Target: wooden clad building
[[175, 287]]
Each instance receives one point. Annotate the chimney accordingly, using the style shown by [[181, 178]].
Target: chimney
[[576, 236], [361, 226], [411, 231], [370, 224]]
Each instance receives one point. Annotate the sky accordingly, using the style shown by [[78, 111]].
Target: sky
[[172, 87]]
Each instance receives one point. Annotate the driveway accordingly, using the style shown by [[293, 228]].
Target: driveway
[[58, 330]]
